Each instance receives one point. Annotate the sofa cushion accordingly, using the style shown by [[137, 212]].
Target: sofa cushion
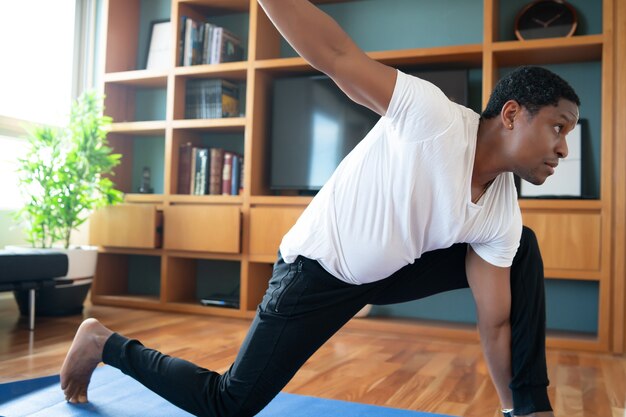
[[35, 265]]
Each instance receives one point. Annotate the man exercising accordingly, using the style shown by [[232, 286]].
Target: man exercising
[[425, 203]]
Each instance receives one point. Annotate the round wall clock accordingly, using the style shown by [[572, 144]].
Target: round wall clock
[[545, 19]]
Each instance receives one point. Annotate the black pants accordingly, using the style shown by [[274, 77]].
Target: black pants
[[304, 306]]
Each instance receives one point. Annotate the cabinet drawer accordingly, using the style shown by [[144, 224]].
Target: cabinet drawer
[[127, 226], [203, 228], [567, 241], [268, 225]]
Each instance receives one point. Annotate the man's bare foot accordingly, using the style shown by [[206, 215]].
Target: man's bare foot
[[82, 358]]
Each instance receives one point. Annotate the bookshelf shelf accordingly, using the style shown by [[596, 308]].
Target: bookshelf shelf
[[466, 55], [139, 78], [205, 199], [283, 65], [227, 124], [194, 308], [566, 204], [280, 201], [144, 198], [573, 274], [263, 259], [146, 128], [204, 255], [151, 127], [131, 251], [232, 70], [542, 51], [219, 6]]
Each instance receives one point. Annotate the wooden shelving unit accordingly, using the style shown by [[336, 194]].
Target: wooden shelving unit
[[257, 219]]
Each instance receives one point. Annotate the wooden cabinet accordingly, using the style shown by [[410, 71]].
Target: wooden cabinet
[[203, 228], [577, 237], [127, 226], [268, 225], [568, 241]]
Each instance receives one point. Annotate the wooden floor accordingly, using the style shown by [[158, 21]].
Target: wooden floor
[[389, 369]]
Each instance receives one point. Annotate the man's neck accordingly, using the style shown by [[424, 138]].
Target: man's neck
[[488, 160]]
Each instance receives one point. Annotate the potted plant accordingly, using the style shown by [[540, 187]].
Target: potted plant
[[64, 177]]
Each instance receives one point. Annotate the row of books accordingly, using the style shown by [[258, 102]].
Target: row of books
[[211, 98], [209, 171], [205, 43]]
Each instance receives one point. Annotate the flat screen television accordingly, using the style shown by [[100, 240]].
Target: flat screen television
[[314, 125]]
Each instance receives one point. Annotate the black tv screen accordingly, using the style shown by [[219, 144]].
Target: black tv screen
[[314, 125]]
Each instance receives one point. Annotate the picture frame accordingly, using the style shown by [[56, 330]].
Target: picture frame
[[159, 45]]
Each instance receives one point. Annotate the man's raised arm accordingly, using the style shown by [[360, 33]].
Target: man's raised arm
[[324, 45]]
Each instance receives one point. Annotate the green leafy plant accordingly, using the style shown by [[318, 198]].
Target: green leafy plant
[[64, 175]]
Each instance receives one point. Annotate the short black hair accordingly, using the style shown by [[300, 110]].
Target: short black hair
[[532, 87]]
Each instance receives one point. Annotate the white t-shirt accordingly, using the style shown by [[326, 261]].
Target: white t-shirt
[[404, 190]]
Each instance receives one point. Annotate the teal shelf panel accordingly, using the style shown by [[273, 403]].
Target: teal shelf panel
[[149, 151], [233, 142], [571, 306], [217, 277], [380, 25], [150, 104], [144, 275]]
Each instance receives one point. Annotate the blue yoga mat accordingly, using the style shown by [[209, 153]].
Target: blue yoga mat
[[113, 394]]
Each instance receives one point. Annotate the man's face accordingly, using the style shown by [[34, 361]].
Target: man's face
[[539, 141]]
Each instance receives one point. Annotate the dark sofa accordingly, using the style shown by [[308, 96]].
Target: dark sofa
[[31, 271]]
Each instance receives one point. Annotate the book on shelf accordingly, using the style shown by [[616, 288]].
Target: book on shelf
[[240, 179], [205, 43], [227, 47], [184, 167], [208, 171], [201, 172], [181, 40], [192, 170], [211, 98], [192, 42], [234, 185], [217, 166], [227, 173]]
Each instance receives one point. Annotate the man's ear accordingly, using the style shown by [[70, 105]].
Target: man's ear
[[509, 112]]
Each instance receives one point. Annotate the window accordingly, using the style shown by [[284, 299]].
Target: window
[[48, 48], [37, 41]]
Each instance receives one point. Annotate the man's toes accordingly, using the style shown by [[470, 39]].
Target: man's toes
[[70, 392], [67, 391], [74, 398], [82, 395]]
